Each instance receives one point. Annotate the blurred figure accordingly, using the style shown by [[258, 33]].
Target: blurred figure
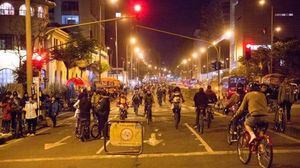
[[286, 98], [31, 116], [53, 109]]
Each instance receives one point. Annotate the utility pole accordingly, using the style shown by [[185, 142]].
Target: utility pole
[[28, 47]]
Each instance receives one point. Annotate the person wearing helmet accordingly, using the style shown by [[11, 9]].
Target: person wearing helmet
[[236, 98], [255, 104]]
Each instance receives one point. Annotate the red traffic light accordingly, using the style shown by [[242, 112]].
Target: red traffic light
[[247, 50], [137, 8]]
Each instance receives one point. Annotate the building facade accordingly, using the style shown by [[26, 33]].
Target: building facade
[[12, 33]]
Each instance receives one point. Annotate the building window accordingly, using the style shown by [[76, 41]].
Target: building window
[[7, 9], [40, 12], [70, 19], [69, 6], [6, 42], [22, 10], [6, 76]]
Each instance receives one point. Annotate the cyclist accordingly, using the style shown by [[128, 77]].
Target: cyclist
[[211, 95], [159, 95], [85, 107], [148, 101], [201, 101], [136, 101], [176, 97], [236, 98], [255, 104], [122, 102]]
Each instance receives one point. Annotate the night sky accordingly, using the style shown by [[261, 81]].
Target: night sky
[[180, 16]]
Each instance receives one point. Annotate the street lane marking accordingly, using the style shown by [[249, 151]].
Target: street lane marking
[[220, 114], [206, 146], [102, 148], [285, 136], [150, 155], [56, 144]]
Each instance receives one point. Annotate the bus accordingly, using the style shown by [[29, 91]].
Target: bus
[[229, 84]]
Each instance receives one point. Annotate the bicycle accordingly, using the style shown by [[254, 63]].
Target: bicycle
[[200, 125], [261, 146], [95, 129], [176, 111], [233, 134], [280, 120], [123, 112], [210, 114], [82, 130], [148, 115]]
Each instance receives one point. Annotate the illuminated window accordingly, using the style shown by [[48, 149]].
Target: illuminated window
[[22, 10], [7, 9], [284, 14], [70, 19], [6, 76], [40, 12]]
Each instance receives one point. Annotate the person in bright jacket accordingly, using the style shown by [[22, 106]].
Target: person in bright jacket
[[6, 116], [31, 116]]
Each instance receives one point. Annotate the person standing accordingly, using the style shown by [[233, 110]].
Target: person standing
[[103, 111], [286, 98], [53, 109], [6, 118], [31, 116], [16, 115]]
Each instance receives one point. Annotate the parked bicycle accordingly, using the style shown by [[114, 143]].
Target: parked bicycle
[[261, 146]]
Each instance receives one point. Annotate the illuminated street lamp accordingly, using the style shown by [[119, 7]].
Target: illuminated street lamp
[[228, 34], [137, 50], [278, 29], [132, 40], [184, 61], [202, 50], [195, 55], [262, 2], [113, 1]]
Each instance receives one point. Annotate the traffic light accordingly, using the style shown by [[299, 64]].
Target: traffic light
[[217, 65], [247, 49], [137, 9]]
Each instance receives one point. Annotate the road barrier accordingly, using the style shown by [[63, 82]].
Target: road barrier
[[125, 135]]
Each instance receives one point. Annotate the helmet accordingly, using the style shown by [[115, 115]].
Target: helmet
[[253, 86], [176, 89]]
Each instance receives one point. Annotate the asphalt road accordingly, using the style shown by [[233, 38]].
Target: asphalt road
[[164, 146]]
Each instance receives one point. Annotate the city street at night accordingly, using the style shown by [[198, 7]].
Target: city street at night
[[170, 147]]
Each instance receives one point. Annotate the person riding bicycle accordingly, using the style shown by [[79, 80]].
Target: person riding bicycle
[[148, 101], [211, 95], [201, 101], [159, 94], [255, 105], [176, 97], [236, 98], [136, 101]]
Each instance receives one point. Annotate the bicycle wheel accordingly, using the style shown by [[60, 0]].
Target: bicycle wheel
[[243, 149], [265, 153], [208, 119], [201, 124], [229, 134], [148, 117], [95, 132], [176, 119], [282, 121]]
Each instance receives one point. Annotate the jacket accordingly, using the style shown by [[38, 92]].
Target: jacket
[[30, 110], [285, 93], [212, 97], [6, 110], [104, 106], [53, 108], [85, 107], [201, 99], [256, 104]]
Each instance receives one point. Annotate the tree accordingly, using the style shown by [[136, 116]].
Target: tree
[[211, 21], [78, 51]]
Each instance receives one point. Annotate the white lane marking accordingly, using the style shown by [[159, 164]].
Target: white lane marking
[[56, 144], [220, 114], [206, 146], [285, 136], [150, 155], [102, 148]]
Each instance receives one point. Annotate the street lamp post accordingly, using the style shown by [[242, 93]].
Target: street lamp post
[[28, 47]]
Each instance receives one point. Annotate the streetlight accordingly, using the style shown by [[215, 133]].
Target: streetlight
[[132, 40], [262, 2], [113, 1], [195, 55], [278, 29], [137, 50], [228, 34], [184, 61]]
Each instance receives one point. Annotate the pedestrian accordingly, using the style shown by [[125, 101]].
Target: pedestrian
[[6, 117], [31, 116], [53, 110], [286, 98], [16, 114], [103, 110]]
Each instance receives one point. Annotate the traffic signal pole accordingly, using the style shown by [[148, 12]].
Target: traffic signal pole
[[28, 47]]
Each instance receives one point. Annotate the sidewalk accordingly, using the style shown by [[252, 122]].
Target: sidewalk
[[293, 128], [41, 124]]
